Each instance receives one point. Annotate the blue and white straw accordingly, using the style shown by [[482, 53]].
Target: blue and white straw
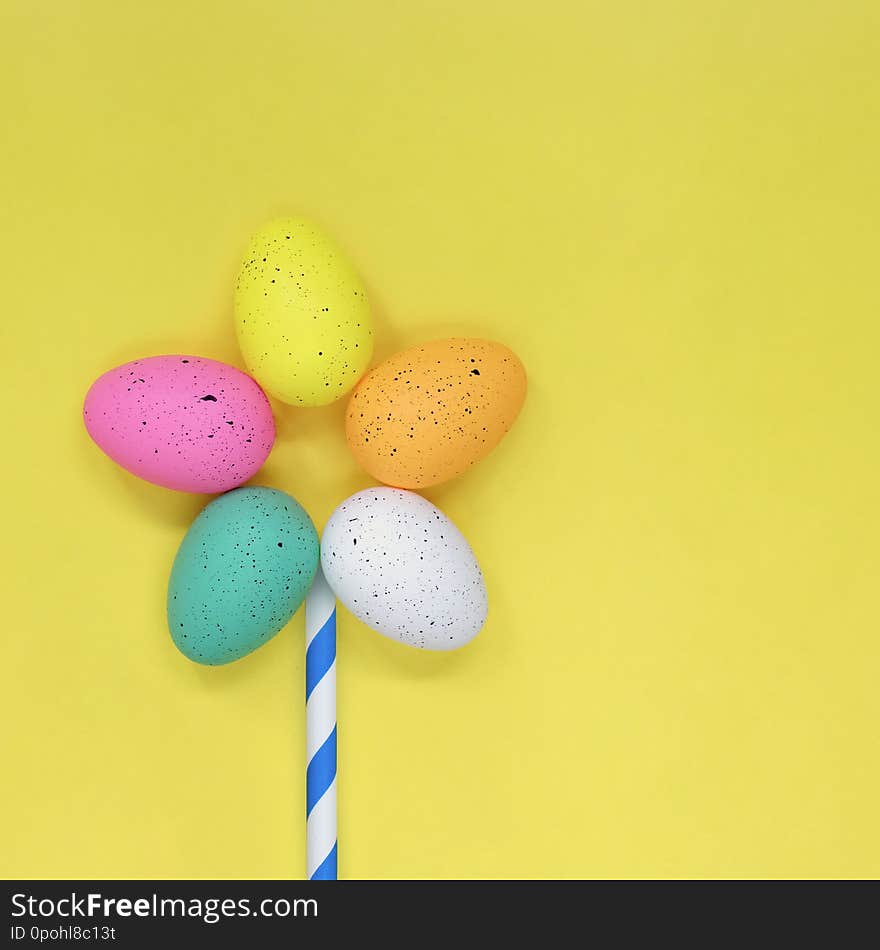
[[321, 845]]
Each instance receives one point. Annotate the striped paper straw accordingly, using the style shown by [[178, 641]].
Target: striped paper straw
[[321, 845]]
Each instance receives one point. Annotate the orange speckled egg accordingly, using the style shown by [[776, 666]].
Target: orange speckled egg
[[428, 413]]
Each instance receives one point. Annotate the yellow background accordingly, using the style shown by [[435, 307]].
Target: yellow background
[[669, 210]]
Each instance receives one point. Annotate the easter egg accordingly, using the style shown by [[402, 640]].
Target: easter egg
[[404, 569], [241, 572], [183, 422], [427, 414], [301, 314]]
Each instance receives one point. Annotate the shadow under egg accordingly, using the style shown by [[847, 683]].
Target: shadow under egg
[[165, 505], [372, 653]]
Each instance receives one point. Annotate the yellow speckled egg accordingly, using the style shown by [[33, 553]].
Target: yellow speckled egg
[[428, 413], [301, 314]]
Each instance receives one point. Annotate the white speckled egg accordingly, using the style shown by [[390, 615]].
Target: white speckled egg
[[404, 569]]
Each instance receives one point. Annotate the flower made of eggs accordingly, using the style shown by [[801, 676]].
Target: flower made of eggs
[[420, 418]]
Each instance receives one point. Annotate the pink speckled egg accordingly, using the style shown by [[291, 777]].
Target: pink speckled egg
[[183, 422]]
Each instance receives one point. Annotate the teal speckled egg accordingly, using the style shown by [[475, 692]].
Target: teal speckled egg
[[241, 572]]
